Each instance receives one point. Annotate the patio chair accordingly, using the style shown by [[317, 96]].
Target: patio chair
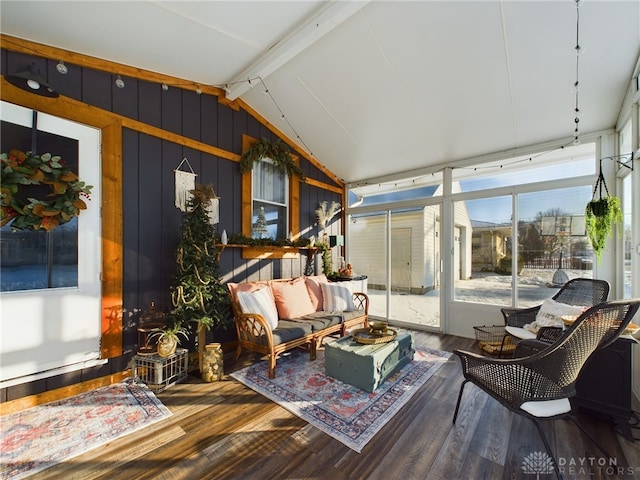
[[539, 386], [584, 292]]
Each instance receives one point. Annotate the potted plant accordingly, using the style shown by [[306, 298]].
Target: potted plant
[[601, 215], [169, 338], [324, 213], [199, 299]]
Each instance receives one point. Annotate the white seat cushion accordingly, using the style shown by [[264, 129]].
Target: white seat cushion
[[521, 333], [547, 408]]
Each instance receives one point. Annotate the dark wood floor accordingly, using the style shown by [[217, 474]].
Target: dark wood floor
[[225, 430]]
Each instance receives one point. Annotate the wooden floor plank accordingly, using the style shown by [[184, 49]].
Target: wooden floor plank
[[225, 430]]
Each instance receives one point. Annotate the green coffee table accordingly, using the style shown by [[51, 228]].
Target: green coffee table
[[367, 366]]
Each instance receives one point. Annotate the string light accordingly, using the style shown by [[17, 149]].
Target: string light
[[282, 116], [120, 83], [578, 49]]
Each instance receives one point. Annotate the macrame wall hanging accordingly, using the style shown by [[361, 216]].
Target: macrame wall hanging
[[186, 188], [185, 182]]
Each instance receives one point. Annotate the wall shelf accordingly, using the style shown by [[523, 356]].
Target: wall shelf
[[269, 251]]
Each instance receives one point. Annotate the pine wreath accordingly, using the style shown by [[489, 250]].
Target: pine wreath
[[19, 172], [277, 151]]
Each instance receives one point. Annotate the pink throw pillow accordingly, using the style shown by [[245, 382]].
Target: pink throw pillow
[[315, 292], [292, 299], [249, 287]]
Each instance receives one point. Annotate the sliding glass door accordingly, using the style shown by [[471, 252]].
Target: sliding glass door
[[399, 251]]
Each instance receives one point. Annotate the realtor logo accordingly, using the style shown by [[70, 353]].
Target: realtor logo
[[537, 463]]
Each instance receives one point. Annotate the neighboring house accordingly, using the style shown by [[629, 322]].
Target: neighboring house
[[489, 244], [415, 248]]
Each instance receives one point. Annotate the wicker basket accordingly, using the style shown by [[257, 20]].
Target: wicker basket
[[369, 336], [490, 337]]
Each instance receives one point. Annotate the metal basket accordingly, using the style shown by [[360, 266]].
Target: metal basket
[[489, 338], [159, 373]]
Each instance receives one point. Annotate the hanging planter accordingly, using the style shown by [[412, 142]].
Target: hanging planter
[[601, 215], [277, 151]]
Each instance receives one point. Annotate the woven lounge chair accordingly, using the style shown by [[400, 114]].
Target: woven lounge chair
[[539, 386], [584, 292]]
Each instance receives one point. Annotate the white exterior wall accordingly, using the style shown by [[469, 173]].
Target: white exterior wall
[[367, 246], [463, 223]]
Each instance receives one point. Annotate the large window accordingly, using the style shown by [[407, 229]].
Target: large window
[[557, 164], [31, 260], [527, 216], [36, 260], [490, 221], [270, 205], [515, 235]]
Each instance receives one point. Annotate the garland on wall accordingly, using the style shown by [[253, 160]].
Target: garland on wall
[[277, 151], [20, 170]]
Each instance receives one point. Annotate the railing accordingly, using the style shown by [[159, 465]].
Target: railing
[[554, 263]]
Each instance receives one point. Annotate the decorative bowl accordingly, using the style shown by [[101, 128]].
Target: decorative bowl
[[378, 325]]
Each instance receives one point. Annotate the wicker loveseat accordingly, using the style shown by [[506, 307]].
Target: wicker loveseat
[[275, 316]]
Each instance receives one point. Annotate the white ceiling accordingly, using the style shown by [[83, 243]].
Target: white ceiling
[[373, 88]]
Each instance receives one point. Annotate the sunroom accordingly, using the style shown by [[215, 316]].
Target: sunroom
[[461, 141]]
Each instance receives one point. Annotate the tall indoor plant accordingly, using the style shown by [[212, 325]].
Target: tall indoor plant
[[199, 299]]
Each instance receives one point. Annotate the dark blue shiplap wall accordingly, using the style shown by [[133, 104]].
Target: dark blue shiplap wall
[[151, 223]]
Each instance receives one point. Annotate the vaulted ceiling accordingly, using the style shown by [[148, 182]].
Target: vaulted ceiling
[[373, 88]]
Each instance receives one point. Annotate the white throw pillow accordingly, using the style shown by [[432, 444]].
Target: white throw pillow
[[336, 298], [551, 313], [260, 302]]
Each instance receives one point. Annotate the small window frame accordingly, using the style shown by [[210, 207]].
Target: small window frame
[[293, 197]]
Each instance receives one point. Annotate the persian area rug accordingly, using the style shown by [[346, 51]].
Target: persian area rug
[[40, 437], [347, 413]]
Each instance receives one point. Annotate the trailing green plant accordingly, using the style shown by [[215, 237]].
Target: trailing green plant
[[277, 151], [326, 259], [198, 295], [240, 239], [600, 218], [601, 215]]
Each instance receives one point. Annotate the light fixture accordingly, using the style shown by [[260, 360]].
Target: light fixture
[[119, 82], [62, 68], [165, 87], [198, 91], [32, 81]]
